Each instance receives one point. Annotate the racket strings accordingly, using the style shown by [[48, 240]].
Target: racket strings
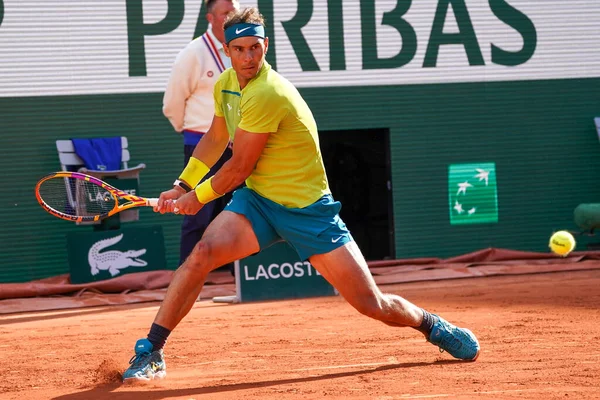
[[76, 197]]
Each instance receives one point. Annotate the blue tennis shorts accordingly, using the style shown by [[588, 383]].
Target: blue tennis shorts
[[315, 229]]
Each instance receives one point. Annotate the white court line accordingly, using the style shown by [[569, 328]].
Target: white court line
[[489, 392]]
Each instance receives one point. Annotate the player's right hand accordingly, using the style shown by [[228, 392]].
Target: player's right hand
[[167, 199]]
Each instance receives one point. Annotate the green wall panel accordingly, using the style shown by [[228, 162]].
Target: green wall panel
[[539, 134], [33, 243]]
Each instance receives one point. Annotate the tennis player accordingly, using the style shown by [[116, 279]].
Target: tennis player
[[287, 197]]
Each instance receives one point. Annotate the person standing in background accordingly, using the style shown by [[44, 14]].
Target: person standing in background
[[188, 103]]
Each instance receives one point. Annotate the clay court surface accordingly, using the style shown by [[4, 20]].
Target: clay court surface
[[540, 338]]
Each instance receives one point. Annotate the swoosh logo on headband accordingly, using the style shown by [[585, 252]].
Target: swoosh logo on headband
[[238, 31]]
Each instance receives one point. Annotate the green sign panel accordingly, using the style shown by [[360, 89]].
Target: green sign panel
[[278, 273], [473, 193], [100, 255]]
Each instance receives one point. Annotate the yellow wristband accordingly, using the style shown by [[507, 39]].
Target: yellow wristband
[[193, 172], [205, 193]]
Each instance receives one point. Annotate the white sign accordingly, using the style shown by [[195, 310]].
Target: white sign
[[115, 46]]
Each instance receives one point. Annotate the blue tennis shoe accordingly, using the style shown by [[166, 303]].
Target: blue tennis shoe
[[145, 364], [459, 342]]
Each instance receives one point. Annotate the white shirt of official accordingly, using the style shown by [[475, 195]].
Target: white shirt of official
[[188, 102]]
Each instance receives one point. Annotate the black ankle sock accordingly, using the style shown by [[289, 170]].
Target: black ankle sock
[[158, 336], [427, 324]]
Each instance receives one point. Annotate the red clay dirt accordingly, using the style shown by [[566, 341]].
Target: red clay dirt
[[539, 336]]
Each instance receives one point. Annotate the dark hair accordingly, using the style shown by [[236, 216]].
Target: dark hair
[[210, 4], [249, 15]]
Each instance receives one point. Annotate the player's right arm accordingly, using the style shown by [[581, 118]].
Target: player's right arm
[[213, 143], [207, 152]]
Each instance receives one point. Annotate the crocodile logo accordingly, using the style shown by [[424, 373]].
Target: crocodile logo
[[113, 261]]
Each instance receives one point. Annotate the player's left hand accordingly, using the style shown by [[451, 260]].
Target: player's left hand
[[188, 204]]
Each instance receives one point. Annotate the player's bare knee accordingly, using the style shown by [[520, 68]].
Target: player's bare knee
[[199, 258]]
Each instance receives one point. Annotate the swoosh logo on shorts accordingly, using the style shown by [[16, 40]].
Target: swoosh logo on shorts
[[238, 31], [336, 240]]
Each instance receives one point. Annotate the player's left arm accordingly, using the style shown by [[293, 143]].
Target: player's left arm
[[247, 148]]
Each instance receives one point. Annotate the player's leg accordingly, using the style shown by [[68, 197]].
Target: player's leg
[[227, 238], [237, 232], [346, 269], [192, 229], [194, 226], [221, 202]]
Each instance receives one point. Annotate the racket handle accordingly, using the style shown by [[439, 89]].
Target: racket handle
[[153, 202]]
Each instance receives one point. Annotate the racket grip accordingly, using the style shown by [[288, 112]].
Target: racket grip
[[153, 202]]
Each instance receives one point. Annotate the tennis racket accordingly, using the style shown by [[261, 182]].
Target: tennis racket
[[78, 197]]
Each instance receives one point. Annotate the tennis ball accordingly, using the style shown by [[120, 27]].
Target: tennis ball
[[562, 243]]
